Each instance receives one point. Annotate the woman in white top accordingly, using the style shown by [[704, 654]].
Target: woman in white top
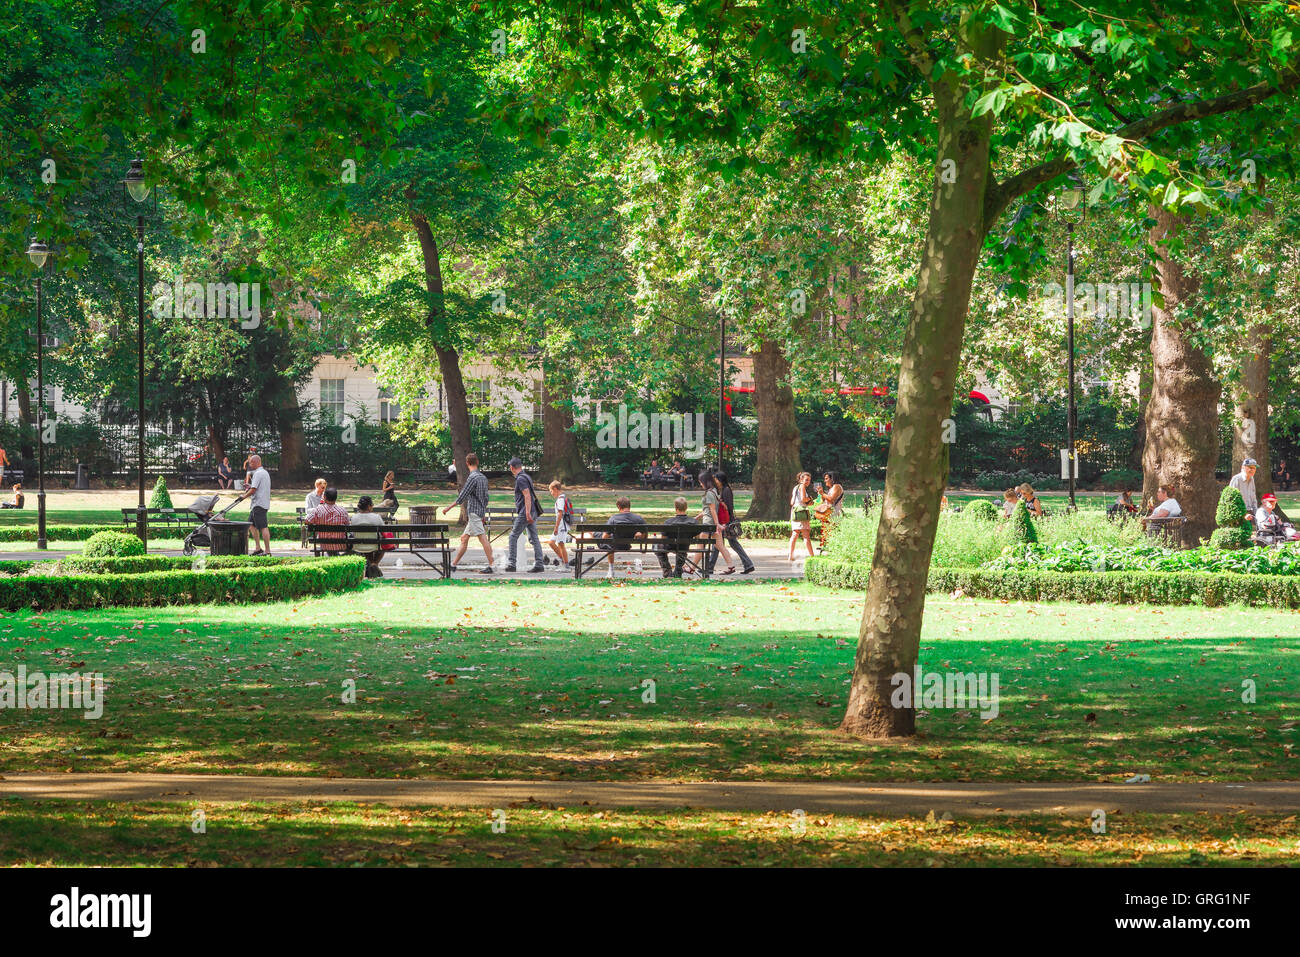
[[711, 516], [800, 519], [1168, 506]]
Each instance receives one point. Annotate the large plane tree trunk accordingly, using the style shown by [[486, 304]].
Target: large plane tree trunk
[[560, 457], [293, 441], [1250, 425], [453, 383], [777, 460], [1182, 447], [890, 635]]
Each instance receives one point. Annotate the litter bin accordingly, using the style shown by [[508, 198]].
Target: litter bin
[[83, 477], [423, 514], [229, 538]]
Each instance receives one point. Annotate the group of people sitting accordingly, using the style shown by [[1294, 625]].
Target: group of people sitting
[[1271, 524], [656, 476], [1022, 493], [322, 508]]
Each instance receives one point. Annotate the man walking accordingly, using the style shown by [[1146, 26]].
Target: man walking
[[1244, 482], [527, 508], [259, 489], [474, 496]]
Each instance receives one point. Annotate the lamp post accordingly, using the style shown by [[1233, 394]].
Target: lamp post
[[722, 381], [139, 191], [39, 254], [1070, 201]]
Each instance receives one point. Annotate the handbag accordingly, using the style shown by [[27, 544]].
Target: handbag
[[387, 548]]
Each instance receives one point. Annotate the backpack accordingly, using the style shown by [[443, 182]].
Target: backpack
[[567, 514], [724, 516]]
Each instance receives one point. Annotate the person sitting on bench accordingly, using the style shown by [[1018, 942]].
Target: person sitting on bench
[[17, 500], [624, 516], [1166, 506], [683, 542], [652, 475], [363, 545], [225, 474]]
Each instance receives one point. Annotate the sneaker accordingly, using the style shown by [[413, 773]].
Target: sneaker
[[486, 570], [538, 568], [509, 568], [747, 570]]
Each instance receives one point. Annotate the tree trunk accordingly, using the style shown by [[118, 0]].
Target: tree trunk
[[1182, 447], [1250, 425], [777, 463], [917, 470], [560, 458], [453, 383], [1144, 397], [293, 442], [24, 403]]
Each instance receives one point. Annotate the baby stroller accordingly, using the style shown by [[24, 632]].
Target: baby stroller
[[202, 507]]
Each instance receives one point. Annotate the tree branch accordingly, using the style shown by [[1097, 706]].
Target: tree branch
[[1000, 195]]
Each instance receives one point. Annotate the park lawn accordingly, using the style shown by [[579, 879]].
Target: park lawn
[[511, 680], [257, 834]]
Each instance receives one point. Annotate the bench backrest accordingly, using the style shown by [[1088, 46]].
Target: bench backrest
[[678, 535]]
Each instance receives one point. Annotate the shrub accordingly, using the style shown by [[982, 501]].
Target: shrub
[[1230, 538], [1121, 480], [1120, 587], [80, 533], [1231, 512], [160, 498], [112, 545], [1022, 526], [982, 509], [237, 579]]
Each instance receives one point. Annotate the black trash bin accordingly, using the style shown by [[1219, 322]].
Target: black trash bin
[[229, 538], [83, 477]]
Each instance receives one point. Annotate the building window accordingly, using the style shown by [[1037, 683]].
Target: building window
[[389, 411], [331, 400], [479, 393], [539, 406]]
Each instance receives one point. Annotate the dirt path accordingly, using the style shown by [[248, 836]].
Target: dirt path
[[968, 800]]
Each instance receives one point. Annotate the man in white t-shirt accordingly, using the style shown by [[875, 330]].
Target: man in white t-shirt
[[1168, 506], [259, 490]]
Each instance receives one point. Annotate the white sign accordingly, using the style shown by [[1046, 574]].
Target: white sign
[[1065, 464]]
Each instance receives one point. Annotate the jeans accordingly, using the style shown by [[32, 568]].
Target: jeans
[[733, 541], [516, 530]]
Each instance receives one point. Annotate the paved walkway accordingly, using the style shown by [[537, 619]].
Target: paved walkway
[[769, 558], [820, 797]]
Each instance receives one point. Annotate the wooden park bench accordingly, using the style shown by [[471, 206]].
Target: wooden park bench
[[171, 519], [1168, 529], [602, 539], [504, 518], [417, 540]]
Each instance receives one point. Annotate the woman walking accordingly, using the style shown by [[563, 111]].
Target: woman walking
[[732, 527], [800, 515], [715, 514], [389, 497], [831, 507]]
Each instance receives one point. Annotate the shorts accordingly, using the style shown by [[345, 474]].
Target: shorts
[[474, 525], [257, 515], [562, 536]]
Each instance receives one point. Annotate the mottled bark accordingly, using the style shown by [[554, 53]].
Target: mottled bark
[[453, 383], [1250, 419], [1143, 397], [1182, 418], [560, 458], [917, 469], [777, 461]]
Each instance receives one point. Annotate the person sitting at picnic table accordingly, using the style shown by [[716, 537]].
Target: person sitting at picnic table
[[328, 512], [390, 490], [1030, 499], [1166, 505], [1244, 482], [17, 500], [225, 474], [661, 551], [365, 515], [624, 516], [1282, 475], [316, 495]]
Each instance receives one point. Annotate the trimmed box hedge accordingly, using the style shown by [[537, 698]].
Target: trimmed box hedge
[[1211, 589], [172, 580], [79, 533]]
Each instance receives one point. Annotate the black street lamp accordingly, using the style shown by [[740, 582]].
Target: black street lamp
[[39, 254], [138, 190], [1070, 202]]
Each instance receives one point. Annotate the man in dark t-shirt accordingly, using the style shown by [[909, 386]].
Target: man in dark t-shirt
[[683, 542], [527, 508], [624, 516]]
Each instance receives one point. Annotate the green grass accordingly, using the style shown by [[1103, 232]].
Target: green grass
[[505, 680], [84, 834]]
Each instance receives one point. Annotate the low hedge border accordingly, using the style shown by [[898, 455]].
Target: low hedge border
[[79, 533], [1211, 589], [228, 579]]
